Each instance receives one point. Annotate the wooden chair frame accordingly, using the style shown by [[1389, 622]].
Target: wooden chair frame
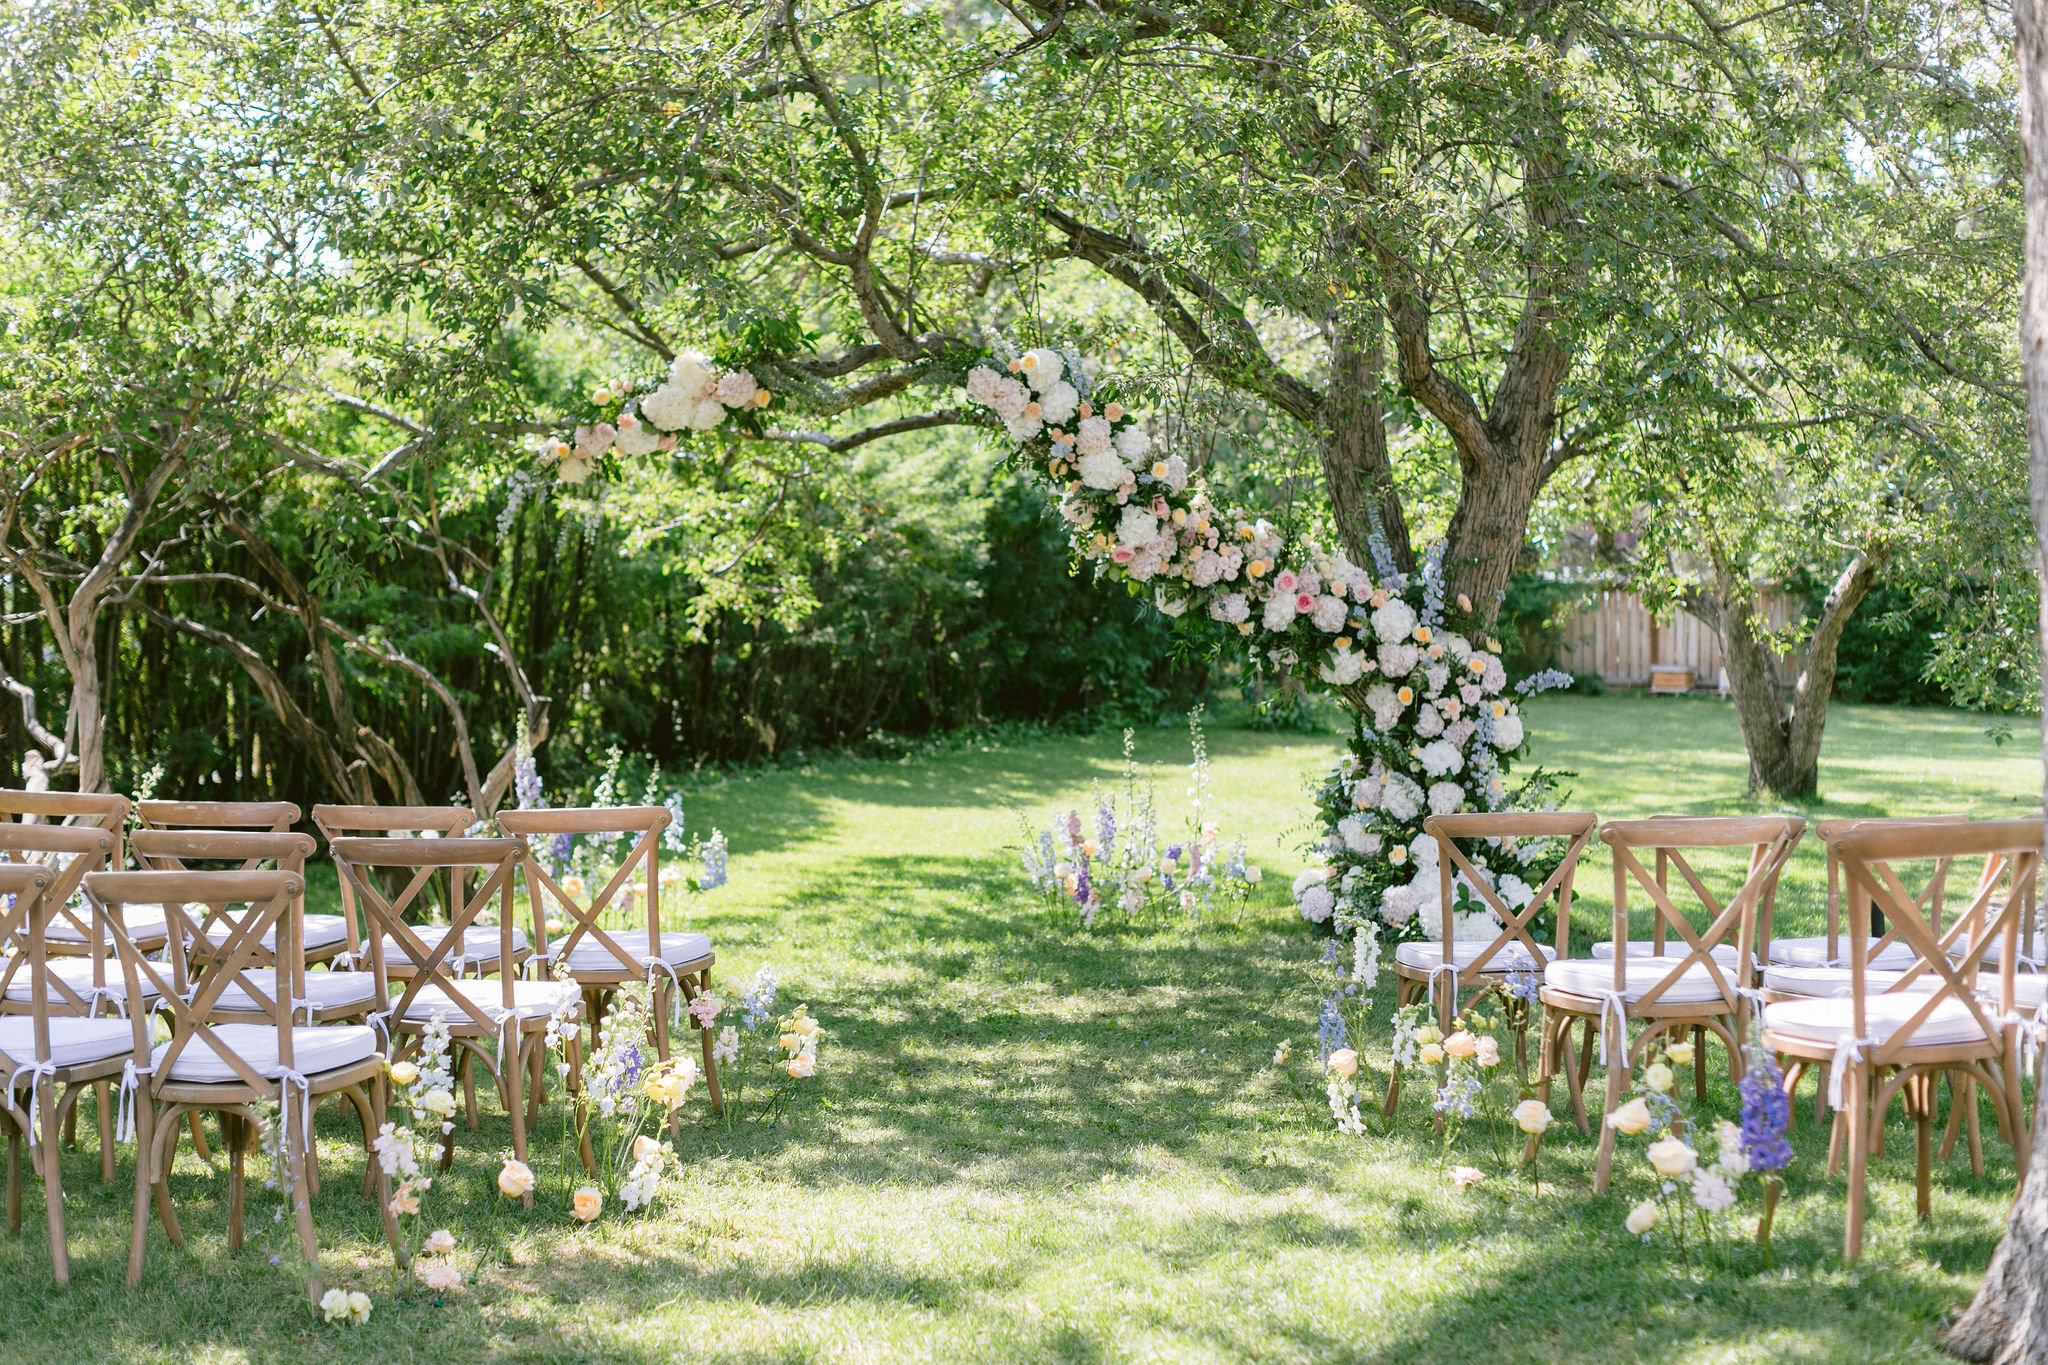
[[1772, 840], [1868, 855], [598, 983], [24, 921], [162, 1101], [273, 817], [1576, 828], [516, 1040], [338, 822], [94, 810]]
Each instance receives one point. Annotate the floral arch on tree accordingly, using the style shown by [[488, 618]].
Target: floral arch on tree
[[1438, 722]]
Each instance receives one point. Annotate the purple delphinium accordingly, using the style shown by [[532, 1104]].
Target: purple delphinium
[[1330, 1029], [526, 780], [1105, 829], [560, 849], [1082, 890], [1766, 1114], [1172, 854], [1524, 986]]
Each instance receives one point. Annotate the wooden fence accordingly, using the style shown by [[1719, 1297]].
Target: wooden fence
[[1615, 636]]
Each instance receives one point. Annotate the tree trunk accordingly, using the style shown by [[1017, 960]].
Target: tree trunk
[[1782, 725], [2007, 1324], [1356, 470]]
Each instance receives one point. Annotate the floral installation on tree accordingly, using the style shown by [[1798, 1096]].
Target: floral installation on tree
[[1438, 723], [1120, 860], [697, 394]]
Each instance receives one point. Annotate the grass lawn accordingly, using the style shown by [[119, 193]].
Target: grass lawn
[[1030, 1142]]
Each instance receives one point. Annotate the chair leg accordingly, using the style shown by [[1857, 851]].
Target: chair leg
[[515, 1104], [1837, 1132], [145, 1148], [1858, 1101], [1961, 1091], [104, 1094], [1923, 1145], [1617, 1069], [467, 1064], [1822, 1078], [53, 1180], [301, 1197], [2016, 1100], [13, 1178], [1699, 1063], [1576, 1075], [232, 1139], [199, 1146]]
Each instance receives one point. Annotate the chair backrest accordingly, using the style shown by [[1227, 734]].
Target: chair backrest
[[95, 810], [275, 816], [177, 850], [1827, 831], [436, 822], [1770, 840], [70, 852], [1576, 828], [544, 891], [1873, 860], [272, 898], [493, 860], [23, 920]]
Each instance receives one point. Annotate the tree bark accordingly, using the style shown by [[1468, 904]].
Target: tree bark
[[1782, 725], [1356, 470], [2007, 1323]]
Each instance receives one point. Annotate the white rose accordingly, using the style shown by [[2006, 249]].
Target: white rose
[[1642, 1217]]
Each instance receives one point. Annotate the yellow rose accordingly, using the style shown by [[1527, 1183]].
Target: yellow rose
[[805, 1025], [791, 1041], [1679, 1053], [644, 1147], [587, 1204], [1631, 1118], [801, 1065], [1343, 1061], [1672, 1157], [572, 886], [404, 1073], [1642, 1217], [1432, 1053], [1658, 1077], [1532, 1116], [668, 1088], [515, 1179]]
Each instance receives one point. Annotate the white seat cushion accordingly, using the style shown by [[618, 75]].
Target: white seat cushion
[[323, 1048], [1826, 1021], [73, 1042], [1584, 976], [1513, 957], [530, 1000], [1723, 953], [1827, 983], [146, 924], [1994, 953], [479, 944], [327, 990], [76, 972], [589, 955], [1813, 952], [321, 931]]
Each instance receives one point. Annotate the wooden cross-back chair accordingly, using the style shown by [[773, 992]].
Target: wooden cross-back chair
[[273, 816], [1825, 950], [42, 1050], [673, 962], [1896, 1040], [480, 953], [500, 1024], [1441, 970], [228, 1065], [96, 810], [1694, 981]]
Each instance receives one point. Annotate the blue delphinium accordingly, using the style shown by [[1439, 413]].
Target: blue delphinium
[[714, 862], [1766, 1114], [1330, 1029]]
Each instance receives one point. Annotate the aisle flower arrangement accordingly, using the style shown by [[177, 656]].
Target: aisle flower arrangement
[[1119, 859]]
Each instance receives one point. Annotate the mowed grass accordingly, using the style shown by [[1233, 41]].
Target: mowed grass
[[1031, 1142]]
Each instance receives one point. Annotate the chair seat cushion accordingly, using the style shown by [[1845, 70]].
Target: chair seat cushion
[[1511, 958], [1584, 976], [321, 1048], [589, 955], [479, 945], [1826, 983], [1813, 952], [1723, 953], [530, 1000], [146, 924], [327, 990], [76, 972], [1827, 1021], [73, 1041], [321, 931], [1994, 953]]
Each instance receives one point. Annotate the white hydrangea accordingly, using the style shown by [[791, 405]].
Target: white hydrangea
[[1023, 428], [1445, 797], [1100, 469], [1457, 646], [1093, 437], [1422, 848], [669, 407], [1133, 444], [1043, 367], [1402, 798], [981, 385], [1168, 604], [1346, 666], [1010, 399], [1230, 608], [1355, 830], [1429, 722], [1507, 732], [1059, 402], [1137, 526], [1475, 926], [1399, 905], [1385, 704], [1173, 470], [635, 436], [1513, 891], [691, 372], [1329, 614], [708, 414], [1317, 904], [1441, 758], [1395, 622], [1279, 613], [1399, 660], [736, 388]]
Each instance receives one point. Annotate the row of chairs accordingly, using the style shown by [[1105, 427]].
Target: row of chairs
[[1897, 997], [212, 934]]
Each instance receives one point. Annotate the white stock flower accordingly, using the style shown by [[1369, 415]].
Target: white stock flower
[[1711, 1191], [1395, 622]]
